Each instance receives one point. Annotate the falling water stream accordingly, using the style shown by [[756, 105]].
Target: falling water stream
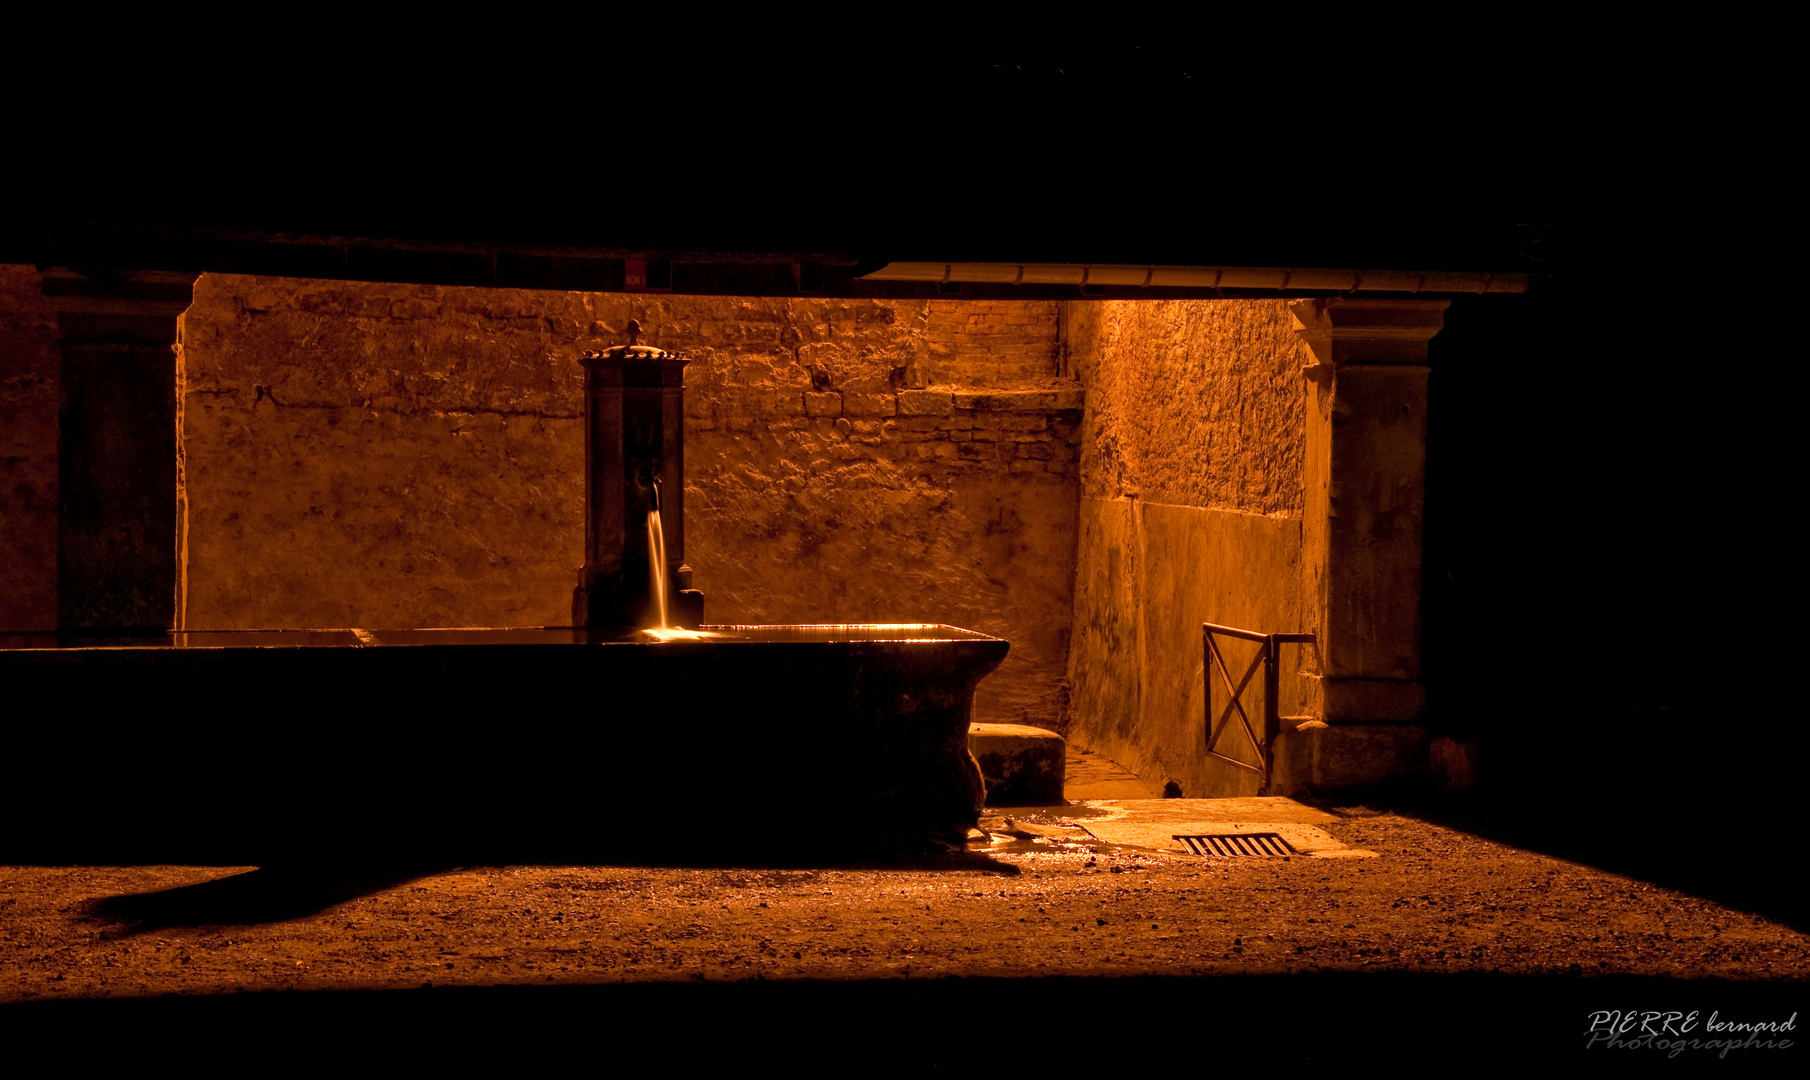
[[656, 551], [656, 557]]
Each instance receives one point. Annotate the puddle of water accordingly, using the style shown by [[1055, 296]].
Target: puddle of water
[[1001, 844], [1049, 815]]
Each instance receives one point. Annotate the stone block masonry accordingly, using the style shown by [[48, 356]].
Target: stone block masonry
[[391, 456]]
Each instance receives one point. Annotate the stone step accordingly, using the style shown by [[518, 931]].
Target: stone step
[[1023, 765]]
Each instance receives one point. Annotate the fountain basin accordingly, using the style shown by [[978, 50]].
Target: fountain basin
[[485, 744]]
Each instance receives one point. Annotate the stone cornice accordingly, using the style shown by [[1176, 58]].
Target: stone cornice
[[1346, 330]]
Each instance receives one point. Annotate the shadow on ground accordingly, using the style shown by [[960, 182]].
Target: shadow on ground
[[282, 892], [1735, 857], [262, 895]]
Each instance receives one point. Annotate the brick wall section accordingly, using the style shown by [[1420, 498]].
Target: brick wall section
[[1001, 343], [388, 455]]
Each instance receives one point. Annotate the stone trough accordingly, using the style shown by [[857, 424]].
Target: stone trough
[[500, 744]]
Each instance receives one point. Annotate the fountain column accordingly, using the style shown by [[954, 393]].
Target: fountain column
[[634, 439]]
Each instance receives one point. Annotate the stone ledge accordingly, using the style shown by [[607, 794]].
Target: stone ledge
[[1021, 400], [925, 403]]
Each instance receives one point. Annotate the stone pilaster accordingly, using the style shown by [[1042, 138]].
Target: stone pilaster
[[1365, 488], [117, 530]]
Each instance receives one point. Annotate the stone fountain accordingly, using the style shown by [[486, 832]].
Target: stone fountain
[[506, 744], [634, 439]]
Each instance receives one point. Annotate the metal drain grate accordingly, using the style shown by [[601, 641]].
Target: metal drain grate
[[1252, 843]]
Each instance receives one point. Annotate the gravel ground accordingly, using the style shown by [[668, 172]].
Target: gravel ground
[[1435, 901]]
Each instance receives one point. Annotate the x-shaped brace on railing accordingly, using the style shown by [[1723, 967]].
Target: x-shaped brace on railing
[[1236, 703]]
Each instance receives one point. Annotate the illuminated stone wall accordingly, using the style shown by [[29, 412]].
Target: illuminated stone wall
[[1190, 512], [390, 455], [381, 455]]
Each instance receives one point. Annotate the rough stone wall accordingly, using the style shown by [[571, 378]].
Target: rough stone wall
[[30, 392], [382, 455], [1190, 509], [385, 455], [1192, 403]]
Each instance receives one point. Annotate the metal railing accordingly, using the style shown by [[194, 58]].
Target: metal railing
[[1269, 654]]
